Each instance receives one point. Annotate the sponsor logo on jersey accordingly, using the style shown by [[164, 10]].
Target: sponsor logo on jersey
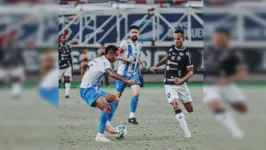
[[170, 80], [169, 68], [181, 54], [171, 63]]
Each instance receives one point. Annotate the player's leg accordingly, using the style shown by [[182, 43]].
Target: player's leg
[[134, 100], [134, 103], [185, 97], [94, 99], [67, 77], [120, 87], [113, 102], [60, 76], [212, 97], [172, 96], [17, 76], [102, 104]]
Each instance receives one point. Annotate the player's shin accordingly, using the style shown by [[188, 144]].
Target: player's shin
[[227, 120], [182, 121], [133, 108], [113, 109], [103, 120], [67, 85]]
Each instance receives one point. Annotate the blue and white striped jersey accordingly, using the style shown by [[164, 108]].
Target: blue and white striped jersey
[[129, 49], [95, 73]]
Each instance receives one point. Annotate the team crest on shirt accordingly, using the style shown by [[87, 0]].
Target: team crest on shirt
[[170, 49], [168, 95]]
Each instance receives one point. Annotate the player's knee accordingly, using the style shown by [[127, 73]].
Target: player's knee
[[106, 107], [174, 104], [115, 99], [189, 107], [67, 79], [241, 107], [214, 105]]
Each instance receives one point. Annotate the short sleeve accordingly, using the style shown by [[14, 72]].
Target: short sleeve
[[188, 60], [106, 66]]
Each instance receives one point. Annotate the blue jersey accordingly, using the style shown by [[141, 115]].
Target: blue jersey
[[129, 49]]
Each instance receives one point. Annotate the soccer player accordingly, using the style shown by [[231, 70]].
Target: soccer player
[[48, 88], [84, 59], [178, 70], [91, 93], [127, 67], [12, 64], [65, 64], [222, 67]]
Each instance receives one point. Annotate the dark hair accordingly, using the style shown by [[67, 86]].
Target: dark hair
[[133, 27], [102, 43], [179, 31], [110, 48], [223, 30]]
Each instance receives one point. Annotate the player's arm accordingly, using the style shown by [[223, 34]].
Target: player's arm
[[120, 56], [118, 77], [142, 63], [161, 62], [190, 69]]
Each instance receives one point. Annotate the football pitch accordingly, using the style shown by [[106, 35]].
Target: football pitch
[[158, 129]]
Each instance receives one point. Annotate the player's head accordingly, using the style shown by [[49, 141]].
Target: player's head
[[63, 39], [111, 53], [221, 37], [179, 38], [134, 32]]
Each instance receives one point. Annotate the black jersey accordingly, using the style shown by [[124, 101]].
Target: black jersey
[[176, 66], [11, 56], [65, 58], [220, 63]]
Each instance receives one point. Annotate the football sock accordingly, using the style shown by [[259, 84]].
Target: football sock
[[113, 109], [16, 88], [103, 120], [67, 88], [134, 103], [131, 115], [227, 120], [181, 119]]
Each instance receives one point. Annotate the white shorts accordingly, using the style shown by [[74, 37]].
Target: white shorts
[[180, 92], [15, 72], [230, 93], [65, 72]]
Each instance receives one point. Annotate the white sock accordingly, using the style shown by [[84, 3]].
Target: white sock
[[16, 88], [227, 120], [182, 121], [99, 134], [108, 123], [131, 115], [67, 85]]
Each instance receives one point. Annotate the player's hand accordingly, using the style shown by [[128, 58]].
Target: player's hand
[[130, 59], [179, 81], [152, 69], [131, 81], [143, 65]]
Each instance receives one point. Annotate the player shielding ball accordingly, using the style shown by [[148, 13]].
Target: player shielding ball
[[128, 68], [65, 64], [178, 70], [91, 93], [222, 67]]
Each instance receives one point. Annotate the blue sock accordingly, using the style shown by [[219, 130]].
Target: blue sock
[[134, 103], [103, 120], [113, 109]]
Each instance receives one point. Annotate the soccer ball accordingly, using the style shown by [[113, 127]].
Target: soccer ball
[[122, 131]]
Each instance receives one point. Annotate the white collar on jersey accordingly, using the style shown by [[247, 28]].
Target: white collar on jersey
[[181, 48], [63, 45], [129, 40]]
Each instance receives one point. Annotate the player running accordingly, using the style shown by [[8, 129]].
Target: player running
[[65, 64], [128, 67], [91, 93], [12, 64], [178, 70], [222, 67]]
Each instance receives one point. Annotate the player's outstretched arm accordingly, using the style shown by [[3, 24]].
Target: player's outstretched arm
[[161, 62], [118, 77]]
